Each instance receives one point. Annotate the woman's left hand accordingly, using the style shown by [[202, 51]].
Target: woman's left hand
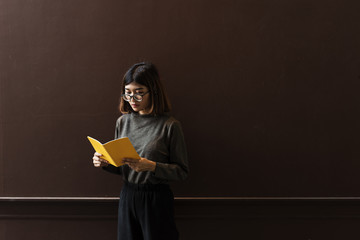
[[140, 165]]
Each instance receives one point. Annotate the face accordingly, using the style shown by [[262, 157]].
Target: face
[[135, 88]]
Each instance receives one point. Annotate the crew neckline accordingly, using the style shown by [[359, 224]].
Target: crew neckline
[[138, 115]]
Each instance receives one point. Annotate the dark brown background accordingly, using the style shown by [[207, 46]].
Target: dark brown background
[[267, 92]]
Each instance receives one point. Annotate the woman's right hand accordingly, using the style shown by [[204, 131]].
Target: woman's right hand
[[98, 161]]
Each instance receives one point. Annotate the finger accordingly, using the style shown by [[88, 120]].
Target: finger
[[130, 165], [97, 154], [131, 160], [103, 160]]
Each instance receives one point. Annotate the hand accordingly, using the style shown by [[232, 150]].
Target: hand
[[140, 165], [98, 161]]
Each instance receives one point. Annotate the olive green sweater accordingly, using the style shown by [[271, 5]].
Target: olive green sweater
[[157, 138]]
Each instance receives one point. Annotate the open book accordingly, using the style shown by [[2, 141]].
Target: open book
[[114, 151]]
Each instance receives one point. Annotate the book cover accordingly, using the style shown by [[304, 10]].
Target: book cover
[[115, 151]]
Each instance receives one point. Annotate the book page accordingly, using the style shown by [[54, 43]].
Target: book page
[[121, 148]]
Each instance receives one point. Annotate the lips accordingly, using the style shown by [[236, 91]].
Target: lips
[[134, 105]]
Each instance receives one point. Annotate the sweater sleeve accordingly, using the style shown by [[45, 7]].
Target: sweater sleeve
[[177, 168], [110, 168]]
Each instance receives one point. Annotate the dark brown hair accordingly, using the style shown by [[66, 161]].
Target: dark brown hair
[[146, 74]]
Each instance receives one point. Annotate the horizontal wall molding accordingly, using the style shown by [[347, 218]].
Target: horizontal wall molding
[[184, 198]]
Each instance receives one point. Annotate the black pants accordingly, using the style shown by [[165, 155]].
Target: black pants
[[146, 212]]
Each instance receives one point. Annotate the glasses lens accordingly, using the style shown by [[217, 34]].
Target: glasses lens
[[137, 97], [126, 97]]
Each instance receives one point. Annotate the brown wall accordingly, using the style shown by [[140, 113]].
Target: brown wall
[[267, 92]]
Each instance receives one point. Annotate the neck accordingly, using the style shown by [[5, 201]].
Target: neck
[[143, 112]]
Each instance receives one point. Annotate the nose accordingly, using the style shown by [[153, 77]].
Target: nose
[[132, 100]]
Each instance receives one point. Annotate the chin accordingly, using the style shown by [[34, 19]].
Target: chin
[[136, 110]]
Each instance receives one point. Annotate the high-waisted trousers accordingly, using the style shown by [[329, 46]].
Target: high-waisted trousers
[[146, 212]]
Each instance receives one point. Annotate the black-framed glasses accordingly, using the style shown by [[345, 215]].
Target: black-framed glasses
[[137, 96]]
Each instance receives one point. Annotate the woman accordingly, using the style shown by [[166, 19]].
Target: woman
[[146, 201]]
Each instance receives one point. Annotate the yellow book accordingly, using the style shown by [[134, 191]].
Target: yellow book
[[114, 151]]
